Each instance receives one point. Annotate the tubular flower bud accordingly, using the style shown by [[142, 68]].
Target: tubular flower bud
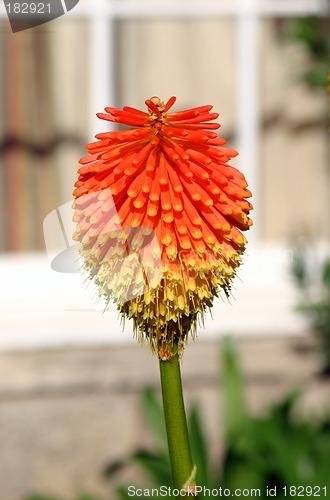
[[159, 215]]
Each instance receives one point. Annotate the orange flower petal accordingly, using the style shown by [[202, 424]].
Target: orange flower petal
[[161, 194]]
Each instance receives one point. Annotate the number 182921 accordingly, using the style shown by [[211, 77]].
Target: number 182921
[[304, 491], [28, 8]]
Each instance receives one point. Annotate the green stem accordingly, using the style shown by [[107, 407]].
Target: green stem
[[176, 424]]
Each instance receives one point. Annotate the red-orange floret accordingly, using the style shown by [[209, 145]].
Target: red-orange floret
[[162, 196]]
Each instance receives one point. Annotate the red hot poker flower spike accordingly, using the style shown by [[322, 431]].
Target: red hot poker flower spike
[[159, 215]]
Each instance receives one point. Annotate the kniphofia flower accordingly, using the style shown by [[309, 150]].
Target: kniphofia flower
[[162, 194]]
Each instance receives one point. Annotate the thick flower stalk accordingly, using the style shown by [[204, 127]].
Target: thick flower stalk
[[159, 215]]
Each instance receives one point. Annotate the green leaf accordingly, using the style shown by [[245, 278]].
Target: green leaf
[[198, 446], [317, 76], [298, 268], [41, 497], [312, 32], [87, 496], [235, 415], [326, 276], [157, 465], [154, 414], [114, 467], [241, 473], [282, 411], [122, 493]]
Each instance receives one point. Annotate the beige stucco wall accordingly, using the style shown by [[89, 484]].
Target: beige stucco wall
[[294, 147]]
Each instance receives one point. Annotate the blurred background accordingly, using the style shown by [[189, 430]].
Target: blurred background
[[70, 379]]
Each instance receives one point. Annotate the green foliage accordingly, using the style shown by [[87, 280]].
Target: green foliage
[[315, 287], [154, 414], [198, 445], [86, 496], [273, 450], [326, 277], [82, 496], [42, 497], [278, 450], [233, 389], [299, 269], [313, 33]]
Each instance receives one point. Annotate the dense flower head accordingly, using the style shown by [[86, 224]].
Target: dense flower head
[[159, 215]]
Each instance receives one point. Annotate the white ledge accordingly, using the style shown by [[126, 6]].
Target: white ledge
[[42, 308]]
